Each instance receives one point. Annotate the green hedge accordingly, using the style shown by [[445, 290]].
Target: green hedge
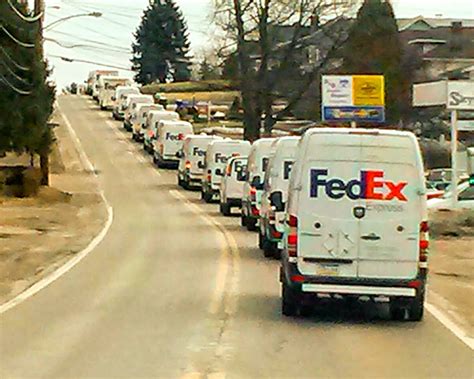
[[201, 86]]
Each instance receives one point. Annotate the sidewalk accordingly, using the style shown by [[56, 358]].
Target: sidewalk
[[38, 235]]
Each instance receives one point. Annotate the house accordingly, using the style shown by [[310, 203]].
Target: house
[[445, 45]]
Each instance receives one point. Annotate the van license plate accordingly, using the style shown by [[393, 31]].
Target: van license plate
[[327, 270]]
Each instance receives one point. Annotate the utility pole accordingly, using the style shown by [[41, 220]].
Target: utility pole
[[44, 153]]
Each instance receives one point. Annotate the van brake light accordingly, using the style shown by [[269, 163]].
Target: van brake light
[[188, 165], [424, 243], [292, 238]]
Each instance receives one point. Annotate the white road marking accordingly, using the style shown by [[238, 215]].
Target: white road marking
[[454, 328], [43, 283]]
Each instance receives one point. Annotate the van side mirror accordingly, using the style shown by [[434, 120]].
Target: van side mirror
[[242, 176], [257, 183], [114, 98], [179, 154], [219, 172], [201, 165], [276, 200]]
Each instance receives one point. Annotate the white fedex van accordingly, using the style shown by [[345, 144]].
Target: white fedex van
[[192, 158], [257, 165], [277, 179], [357, 221], [119, 100], [152, 122], [217, 155], [107, 87], [169, 142], [231, 189], [139, 123], [131, 106]]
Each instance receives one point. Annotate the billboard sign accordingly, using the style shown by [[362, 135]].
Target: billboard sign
[[359, 98]]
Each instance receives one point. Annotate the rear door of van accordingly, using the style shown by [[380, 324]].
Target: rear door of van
[[362, 207], [390, 229]]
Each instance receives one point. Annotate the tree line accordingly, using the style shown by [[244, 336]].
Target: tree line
[[26, 95]]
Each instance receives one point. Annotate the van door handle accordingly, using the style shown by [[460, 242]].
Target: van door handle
[[371, 237]]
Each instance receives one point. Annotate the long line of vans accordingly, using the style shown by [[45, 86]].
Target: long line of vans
[[345, 208]]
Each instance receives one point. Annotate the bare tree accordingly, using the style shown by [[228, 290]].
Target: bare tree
[[267, 59]]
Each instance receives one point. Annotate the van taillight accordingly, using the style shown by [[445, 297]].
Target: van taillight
[[424, 244], [180, 136], [228, 170], [253, 194], [292, 238], [209, 176], [187, 165]]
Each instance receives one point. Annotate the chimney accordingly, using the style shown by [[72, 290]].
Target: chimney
[[456, 35]]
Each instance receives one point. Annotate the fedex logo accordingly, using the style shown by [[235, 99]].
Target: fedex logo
[[174, 137], [219, 158], [198, 152], [370, 186]]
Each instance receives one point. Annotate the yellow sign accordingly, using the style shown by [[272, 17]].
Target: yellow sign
[[368, 90]]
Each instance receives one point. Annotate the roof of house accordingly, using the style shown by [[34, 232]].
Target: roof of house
[[410, 23]]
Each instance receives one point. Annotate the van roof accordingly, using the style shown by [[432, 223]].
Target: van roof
[[175, 123], [358, 131], [230, 142]]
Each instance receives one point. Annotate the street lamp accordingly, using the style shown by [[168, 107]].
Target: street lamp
[[92, 14]]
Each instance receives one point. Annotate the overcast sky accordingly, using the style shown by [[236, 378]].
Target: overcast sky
[[112, 33]]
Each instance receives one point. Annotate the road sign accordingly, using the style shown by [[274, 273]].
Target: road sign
[[461, 95], [368, 90], [353, 98], [357, 114]]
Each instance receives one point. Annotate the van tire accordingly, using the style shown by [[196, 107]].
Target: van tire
[[226, 211], [260, 240], [289, 305], [416, 307], [207, 197], [268, 249], [243, 220], [397, 312], [251, 225]]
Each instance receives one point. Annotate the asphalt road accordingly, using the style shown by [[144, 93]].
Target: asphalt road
[[177, 291]]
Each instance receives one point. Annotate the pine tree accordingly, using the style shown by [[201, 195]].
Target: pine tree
[[374, 47], [161, 48], [26, 96]]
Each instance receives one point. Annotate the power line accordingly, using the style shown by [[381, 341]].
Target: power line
[[16, 64], [72, 60], [22, 16], [17, 90], [93, 41], [17, 41]]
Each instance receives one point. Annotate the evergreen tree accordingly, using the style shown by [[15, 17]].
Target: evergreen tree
[[374, 47], [26, 97], [161, 45]]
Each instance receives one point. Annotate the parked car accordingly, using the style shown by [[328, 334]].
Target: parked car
[[107, 88], [356, 221], [465, 198], [253, 188], [169, 142], [217, 155], [276, 181], [440, 178], [232, 185], [152, 123], [119, 100], [131, 106], [139, 119], [192, 159]]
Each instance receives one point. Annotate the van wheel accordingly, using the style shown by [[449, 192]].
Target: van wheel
[[243, 221], [260, 240], [416, 308], [226, 209], [289, 305], [397, 312], [207, 197], [180, 182], [268, 249], [251, 225]]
